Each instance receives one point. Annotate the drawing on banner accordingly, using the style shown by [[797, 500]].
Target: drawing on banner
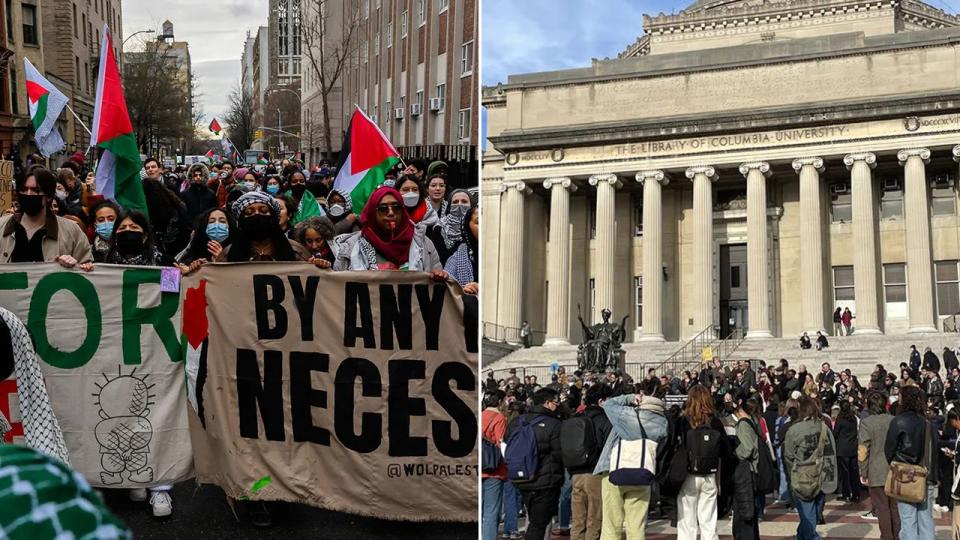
[[125, 431]]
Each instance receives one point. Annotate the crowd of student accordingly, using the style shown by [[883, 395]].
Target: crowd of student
[[716, 442], [236, 214]]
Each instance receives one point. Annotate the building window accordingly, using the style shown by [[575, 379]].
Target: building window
[[389, 34], [840, 203], [948, 287], [593, 296], [403, 24], [421, 12], [14, 98], [843, 289], [419, 101], [444, 4], [638, 299], [442, 96], [463, 125], [943, 195], [592, 216], [466, 59], [76, 27], [891, 199], [895, 290], [638, 217], [30, 24], [376, 43], [734, 276]]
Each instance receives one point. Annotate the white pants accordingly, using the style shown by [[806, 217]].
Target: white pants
[[697, 505]]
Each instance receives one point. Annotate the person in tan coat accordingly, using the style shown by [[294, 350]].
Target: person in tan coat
[[35, 234]]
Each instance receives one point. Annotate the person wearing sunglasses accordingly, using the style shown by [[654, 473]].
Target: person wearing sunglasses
[[387, 240], [198, 197]]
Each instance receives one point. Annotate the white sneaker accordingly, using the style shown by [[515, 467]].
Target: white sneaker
[[162, 503], [138, 494]]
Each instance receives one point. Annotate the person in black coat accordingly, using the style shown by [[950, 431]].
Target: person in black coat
[[907, 442], [915, 362], [845, 433], [587, 487], [930, 361], [541, 496], [950, 359]]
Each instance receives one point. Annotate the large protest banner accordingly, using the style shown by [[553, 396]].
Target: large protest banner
[[109, 348], [352, 391]]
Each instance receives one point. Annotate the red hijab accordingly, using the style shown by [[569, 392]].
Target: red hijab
[[394, 247]]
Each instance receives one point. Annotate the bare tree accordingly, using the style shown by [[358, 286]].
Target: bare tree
[[330, 36], [239, 118], [157, 98]]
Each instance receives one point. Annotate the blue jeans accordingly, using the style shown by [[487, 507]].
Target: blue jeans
[[565, 494], [807, 529], [784, 487], [511, 508], [492, 503], [916, 520]]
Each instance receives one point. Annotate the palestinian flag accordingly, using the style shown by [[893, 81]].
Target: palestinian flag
[[209, 154], [118, 171], [46, 102], [215, 126], [365, 157]]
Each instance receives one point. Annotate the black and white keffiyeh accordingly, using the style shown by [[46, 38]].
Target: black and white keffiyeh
[[41, 430], [254, 197]]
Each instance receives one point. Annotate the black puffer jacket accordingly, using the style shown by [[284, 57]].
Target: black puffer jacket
[[601, 430], [744, 499], [905, 443], [547, 431]]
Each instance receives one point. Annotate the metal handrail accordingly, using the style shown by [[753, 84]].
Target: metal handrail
[[691, 354], [509, 334]]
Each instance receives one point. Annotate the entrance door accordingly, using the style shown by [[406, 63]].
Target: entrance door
[[733, 288]]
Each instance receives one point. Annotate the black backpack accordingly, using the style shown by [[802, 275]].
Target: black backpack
[[768, 476], [703, 450], [578, 443]]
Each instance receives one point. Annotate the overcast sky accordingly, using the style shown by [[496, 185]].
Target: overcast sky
[[524, 36], [215, 30]]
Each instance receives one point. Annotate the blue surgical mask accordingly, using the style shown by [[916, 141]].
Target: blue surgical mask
[[273, 189], [105, 229], [217, 231]]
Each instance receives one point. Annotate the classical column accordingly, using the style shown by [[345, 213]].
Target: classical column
[[811, 241], [758, 291], [702, 178], [652, 254], [604, 274], [510, 297], [917, 217], [864, 242], [558, 264]]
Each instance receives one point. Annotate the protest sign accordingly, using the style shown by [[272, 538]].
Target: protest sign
[[109, 349], [6, 185], [352, 391]]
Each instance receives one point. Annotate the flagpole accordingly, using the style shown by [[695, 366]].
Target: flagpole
[[79, 120]]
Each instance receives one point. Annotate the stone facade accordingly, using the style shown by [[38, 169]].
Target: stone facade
[[821, 135]]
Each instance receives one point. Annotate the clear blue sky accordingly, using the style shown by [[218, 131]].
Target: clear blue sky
[[523, 36]]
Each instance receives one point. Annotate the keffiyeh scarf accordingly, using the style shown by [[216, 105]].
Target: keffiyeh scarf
[[41, 430], [254, 197]]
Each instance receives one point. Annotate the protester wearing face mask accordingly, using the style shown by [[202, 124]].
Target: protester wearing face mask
[[316, 234], [211, 234], [104, 214], [272, 185], [247, 178], [306, 204], [35, 234], [417, 208], [388, 240], [132, 242], [197, 197], [69, 193], [448, 235], [463, 263], [340, 212], [258, 236]]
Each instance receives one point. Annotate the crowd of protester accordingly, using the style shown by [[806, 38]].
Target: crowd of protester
[[729, 439], [225, 213]]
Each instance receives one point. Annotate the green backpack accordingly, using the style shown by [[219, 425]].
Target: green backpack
[[805, 479]]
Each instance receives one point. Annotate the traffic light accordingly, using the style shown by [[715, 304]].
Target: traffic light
[[258, 134]]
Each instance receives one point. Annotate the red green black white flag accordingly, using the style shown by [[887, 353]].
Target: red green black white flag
[[46, 102]]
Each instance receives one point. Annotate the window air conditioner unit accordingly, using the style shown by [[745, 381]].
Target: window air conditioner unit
[[436, 104], [838, 189], [943, 180], [891, 184], [398, 113], [414, 109]]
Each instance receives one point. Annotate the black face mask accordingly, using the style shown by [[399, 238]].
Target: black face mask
[[30, 204], [298, 190], [258, 227], [129, 242], [729, 406]]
